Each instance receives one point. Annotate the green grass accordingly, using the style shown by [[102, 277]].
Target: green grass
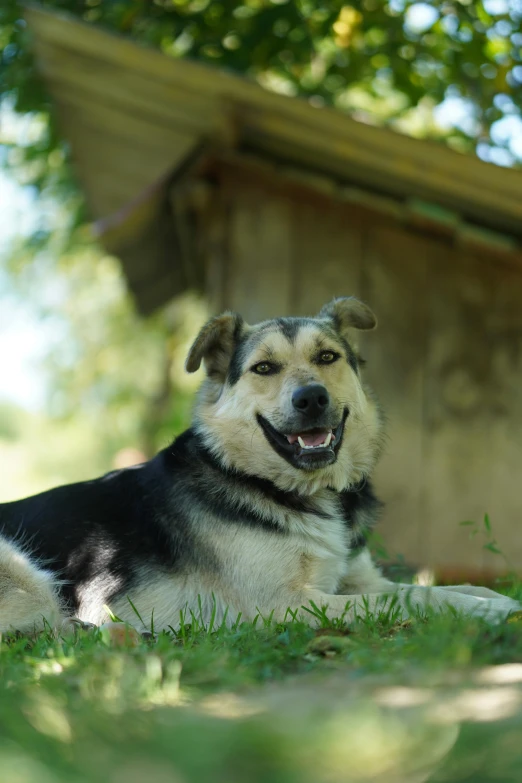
[[380, 701]]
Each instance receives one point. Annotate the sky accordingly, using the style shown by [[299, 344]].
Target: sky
[[22, 339]]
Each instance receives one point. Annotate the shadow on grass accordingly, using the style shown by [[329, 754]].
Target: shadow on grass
[[436, 700]]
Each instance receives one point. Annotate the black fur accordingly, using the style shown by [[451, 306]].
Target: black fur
[[139, 517], [351, 358], [244, 348], [235, 368], [361, 510], [111, 526], [291, 326], [115, 526], [291, 501], [213, 486]]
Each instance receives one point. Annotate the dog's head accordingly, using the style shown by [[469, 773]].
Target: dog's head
[[283, 400]]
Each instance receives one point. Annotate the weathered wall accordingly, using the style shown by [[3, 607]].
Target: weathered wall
[[446, 361]]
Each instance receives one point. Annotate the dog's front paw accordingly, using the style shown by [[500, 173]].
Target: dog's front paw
[[441, 599], [74, 624], [495, 610]]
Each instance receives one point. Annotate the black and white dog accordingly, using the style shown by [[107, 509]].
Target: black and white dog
[[260, 508]]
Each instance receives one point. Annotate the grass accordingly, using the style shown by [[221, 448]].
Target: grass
[[380, 701]]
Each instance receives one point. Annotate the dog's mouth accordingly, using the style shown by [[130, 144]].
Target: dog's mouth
[[313, 439], [310, 448]]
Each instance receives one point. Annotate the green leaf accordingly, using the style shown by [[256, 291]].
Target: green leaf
[[492, 547]]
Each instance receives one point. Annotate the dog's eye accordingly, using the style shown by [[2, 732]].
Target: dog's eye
[[328, 357], [264, 368]]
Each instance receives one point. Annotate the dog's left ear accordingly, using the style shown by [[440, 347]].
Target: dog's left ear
[[347, 312], [215, 345]]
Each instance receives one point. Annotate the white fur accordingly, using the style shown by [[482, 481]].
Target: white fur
[[267, 575], [28, 593], [259, 573]]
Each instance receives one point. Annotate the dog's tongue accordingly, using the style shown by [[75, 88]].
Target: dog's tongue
[[308, 438]]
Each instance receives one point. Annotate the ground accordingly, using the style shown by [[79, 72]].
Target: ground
[[437, 698]]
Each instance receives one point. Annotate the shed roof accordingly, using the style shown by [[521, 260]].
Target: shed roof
[[134, 116]]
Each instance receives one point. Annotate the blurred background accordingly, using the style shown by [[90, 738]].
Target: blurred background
[[165, 159]]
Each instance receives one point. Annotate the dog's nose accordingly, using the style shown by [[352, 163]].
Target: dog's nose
[[311, 400]]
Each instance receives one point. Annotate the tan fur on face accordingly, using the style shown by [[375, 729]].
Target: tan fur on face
[[231, 431]]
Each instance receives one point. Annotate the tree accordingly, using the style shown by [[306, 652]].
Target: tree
[[386, 62], [377, 59]]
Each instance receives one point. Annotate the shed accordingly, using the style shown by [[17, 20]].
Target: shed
[[196, 178]]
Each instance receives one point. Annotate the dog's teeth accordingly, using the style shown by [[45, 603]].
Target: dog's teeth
[[301, 442], [328, 439]]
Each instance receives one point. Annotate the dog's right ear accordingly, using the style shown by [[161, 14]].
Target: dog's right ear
[[347, 313], [215, 345]]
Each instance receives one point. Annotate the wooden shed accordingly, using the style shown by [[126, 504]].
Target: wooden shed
[[268, 205]]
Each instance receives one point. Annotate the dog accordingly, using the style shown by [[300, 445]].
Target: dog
[[262, 508]]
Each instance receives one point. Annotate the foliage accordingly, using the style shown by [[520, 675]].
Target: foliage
[[104, 354], [377, 58], [116, 386], [385, 61]]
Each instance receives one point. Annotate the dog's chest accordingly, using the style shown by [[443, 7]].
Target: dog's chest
[[323, 554], [311, 553]]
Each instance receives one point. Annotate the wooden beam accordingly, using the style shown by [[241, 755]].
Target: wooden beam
[[323, 140]]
